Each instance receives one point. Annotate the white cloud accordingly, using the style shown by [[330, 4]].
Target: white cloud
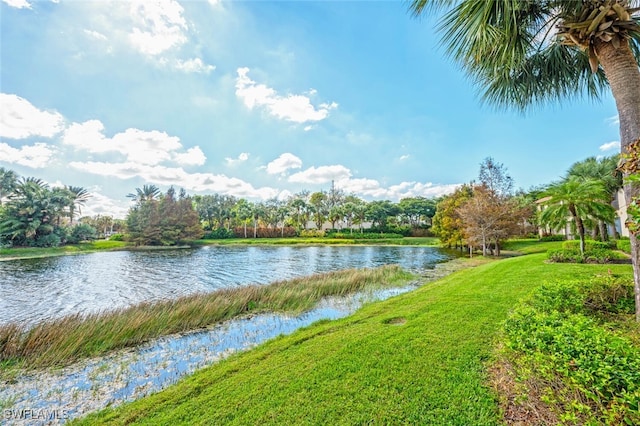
[[307, 128], [100, 204], [161, 175], [215, 3], [610, 145], [321, 174], [294, 108], [35, 156], [194, 65], [192, 157], [159, 26], [18, 4], [404, 157], [283, 163], [244, 156], [95, 34], [614, 120], [139, 146], [20, 119]]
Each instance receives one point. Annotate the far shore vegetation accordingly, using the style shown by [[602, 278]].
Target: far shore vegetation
[[62, 341]]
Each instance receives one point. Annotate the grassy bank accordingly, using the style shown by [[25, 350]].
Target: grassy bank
[[68, 339], [102, 245], [419, 358], [35, 252]]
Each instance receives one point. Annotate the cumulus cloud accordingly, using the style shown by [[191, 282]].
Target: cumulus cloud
[[35, 156], [284, 162], [192, 157], [20, 119], [610, 145], [100, 204], [18, 4], [322, 174], [294, 108], [244, 156], [138, 146], [161, 175], [194, 65], [158, 26]]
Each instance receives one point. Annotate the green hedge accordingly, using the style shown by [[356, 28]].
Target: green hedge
[[589, 245], [624, 245], [593, 255], [584, 372]]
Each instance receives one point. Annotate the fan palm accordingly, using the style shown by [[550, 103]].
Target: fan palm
[[78, 197], [525, 52], [578, 199], [147, 193]]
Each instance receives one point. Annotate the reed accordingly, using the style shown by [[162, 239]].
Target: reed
[[68, 339]]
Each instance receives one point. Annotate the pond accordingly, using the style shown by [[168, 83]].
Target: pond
[[34, 290]]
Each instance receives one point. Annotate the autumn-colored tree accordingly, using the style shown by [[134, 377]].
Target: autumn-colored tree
[[447, 223]]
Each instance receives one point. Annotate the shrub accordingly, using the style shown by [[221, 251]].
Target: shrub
[[219, 234], [81, 232], [312, 233], [552, 238], [584, 373], [624, 245], [116, 237], [589, 245], [594, 255]]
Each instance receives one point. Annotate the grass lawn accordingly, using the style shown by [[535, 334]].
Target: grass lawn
[[418, 358], [33, 252]]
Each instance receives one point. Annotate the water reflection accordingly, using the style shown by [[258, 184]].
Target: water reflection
[[33, 290]]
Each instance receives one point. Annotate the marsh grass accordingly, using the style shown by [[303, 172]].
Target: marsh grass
[[65, 340]]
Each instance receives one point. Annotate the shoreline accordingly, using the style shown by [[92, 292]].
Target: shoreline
[[108, 246]]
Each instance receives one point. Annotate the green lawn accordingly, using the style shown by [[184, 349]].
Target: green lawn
[[419, 358], [32, 252]]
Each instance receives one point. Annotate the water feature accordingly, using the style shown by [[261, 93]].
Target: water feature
[[33, 290]]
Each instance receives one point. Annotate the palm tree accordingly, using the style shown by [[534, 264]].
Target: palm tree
[[604, 170], [78, 197], [523, 52], [578, 199], [8, 182], [147, 193]]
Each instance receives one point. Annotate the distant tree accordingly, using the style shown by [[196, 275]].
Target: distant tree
[[8, 182], [379, 212], [243, 211], [78, 196], [164, 220], [147, 193], [319, 202], [494, 176], [447, 223], [418, 210], [578, 199]]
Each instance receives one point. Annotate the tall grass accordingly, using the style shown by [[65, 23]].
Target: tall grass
[[65, 340]]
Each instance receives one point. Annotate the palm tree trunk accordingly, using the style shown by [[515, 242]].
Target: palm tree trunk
[[624, 78]]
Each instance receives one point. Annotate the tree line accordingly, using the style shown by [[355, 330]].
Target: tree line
[[34, 214], [483, 214]]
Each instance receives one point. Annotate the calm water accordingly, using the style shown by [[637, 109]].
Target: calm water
[[38, 289]]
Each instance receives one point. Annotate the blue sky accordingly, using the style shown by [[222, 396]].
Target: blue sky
[[261, 99]]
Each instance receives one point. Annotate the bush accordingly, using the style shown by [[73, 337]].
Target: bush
[[219, 234], [585, 373], [312, 233], [49, 240], [552, 238], [116, 237], [589, 245], [594, 255], [624, 245], [81, 232]]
